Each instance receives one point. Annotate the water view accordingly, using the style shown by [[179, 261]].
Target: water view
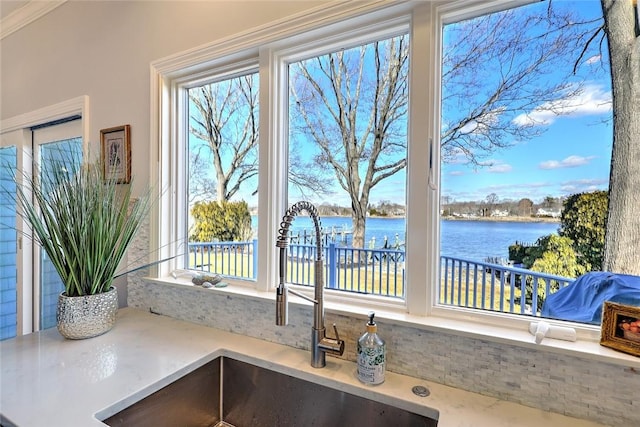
[[475, 240]]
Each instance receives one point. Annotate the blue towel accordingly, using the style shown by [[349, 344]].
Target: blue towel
[[582, 300]]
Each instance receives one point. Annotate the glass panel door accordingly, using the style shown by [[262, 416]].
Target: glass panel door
[[52, 146]]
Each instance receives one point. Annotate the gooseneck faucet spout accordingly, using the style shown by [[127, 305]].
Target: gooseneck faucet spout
[[320, 343]]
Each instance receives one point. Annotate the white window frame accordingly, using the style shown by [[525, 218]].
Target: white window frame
[[27, 260], [272, 47]]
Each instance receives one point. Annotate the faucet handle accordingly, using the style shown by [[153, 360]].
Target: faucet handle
[[332, 345], [335, 329]]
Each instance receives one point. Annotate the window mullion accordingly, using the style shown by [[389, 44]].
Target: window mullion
[[272, 163], [422, 218]]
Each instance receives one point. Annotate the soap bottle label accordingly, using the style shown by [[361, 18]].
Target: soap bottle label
[[371, 364]]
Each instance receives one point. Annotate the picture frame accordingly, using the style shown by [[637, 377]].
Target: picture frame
[[620, 327], [116, 153]]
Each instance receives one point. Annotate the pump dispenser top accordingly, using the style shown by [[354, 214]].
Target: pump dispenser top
[[371, 325]]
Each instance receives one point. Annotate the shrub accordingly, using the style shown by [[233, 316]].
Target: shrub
[[555, 255], [517, 252], [583, 220], [221, 221]]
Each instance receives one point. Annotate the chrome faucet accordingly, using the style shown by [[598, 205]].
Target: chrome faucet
[[320, 343]]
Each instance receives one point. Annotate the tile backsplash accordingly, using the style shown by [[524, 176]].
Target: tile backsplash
[[573, 386]]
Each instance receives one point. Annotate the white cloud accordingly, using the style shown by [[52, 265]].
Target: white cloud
[[483, 123], [591, 100], [469, 127], [520, 189], [569, 162], [584, 185], [456, 173], [495, 166], [500, 168], [533, 190], [594, 59]]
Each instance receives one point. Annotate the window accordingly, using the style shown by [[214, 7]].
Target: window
[[223, 176], [347, 155], [449, 118], [523, 133]]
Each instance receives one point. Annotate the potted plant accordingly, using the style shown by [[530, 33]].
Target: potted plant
[[85, 224]]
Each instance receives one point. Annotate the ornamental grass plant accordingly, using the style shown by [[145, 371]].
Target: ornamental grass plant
[[84, 223]]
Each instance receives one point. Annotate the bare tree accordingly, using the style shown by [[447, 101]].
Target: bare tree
[[352, 104], [226, 119], [622, 237], [525, 207], [201, 186], [495, 89], [491, 200], [496, 81]]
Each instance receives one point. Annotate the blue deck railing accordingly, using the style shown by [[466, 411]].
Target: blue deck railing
[[491, 286], [232, 259], [463, 283]]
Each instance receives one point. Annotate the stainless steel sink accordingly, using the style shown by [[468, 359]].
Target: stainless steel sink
[[228, 392]]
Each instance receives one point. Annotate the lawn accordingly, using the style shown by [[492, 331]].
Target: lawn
[[378, 278]]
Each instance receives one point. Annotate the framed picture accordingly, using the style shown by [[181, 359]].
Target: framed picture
[[621, 327], [116, 153]]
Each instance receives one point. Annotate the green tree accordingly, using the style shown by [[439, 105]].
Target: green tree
[[583, 220], [221, 221]]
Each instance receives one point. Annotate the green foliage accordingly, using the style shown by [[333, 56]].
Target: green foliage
[[517, 252], [83, 222], [376, 212], [583, 220], [221, 221], [582, 224], [555, 255]]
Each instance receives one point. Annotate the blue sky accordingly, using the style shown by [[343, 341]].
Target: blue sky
[[571, 155]]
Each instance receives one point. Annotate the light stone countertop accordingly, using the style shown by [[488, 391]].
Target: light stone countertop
[[49, 381]]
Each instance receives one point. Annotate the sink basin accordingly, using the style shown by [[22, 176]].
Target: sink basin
[[229, 392]]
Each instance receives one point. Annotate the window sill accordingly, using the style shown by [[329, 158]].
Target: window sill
[[582, 348]]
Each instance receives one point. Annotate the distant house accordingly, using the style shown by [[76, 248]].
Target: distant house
[[499, 213], [548, 213]]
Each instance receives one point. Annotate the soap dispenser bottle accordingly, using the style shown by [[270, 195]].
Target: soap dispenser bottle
[[371, 355]]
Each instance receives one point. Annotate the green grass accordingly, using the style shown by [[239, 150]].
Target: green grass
[[364, 279], [457, 293]]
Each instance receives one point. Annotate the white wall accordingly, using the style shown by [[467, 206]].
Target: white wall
[[103, 49]]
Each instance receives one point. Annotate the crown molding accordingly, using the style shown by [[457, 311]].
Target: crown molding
[[26, 15]]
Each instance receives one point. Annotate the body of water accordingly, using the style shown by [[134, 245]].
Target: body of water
[[475, 240]]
